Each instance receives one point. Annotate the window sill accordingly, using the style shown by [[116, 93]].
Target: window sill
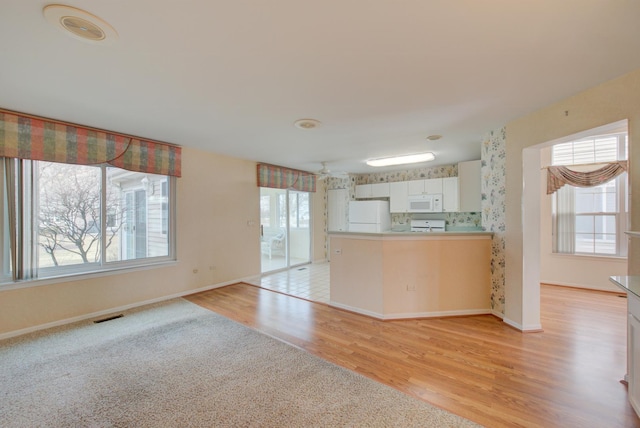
[[597, 257], [5, 286]]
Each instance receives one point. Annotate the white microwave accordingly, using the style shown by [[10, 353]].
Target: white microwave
[[425, 203]]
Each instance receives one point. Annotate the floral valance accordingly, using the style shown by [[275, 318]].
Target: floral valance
[[558, 176], [285, 178], [27, 137]]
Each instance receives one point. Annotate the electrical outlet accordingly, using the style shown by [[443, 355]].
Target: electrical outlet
[[411, 287]]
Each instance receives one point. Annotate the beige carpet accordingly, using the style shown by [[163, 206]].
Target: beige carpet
[[178, 365]]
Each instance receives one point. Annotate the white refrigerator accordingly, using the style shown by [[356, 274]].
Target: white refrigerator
[[369, 216]]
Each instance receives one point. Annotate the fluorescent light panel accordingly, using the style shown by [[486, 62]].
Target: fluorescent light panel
[[401, 160]]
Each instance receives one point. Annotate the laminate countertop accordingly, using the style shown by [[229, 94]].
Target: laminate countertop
[[628, 283], [415, 234]]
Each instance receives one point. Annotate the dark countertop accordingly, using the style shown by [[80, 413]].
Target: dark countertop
[[629, 284]]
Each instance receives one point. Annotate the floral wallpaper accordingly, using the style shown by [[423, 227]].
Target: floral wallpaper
[[409, 174], [493, 155]]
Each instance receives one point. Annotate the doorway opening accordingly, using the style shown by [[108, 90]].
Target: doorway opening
[[285, 229], [537, 248]]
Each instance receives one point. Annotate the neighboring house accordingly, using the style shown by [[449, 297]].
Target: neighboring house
[[142, 207]]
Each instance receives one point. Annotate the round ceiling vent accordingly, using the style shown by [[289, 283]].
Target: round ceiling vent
[[80, 24], [307, 123]]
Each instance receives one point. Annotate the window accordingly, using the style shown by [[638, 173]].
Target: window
[[265, 210], [591, 220], [299, 209], [59, 210]]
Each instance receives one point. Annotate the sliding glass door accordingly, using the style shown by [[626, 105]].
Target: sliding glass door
[[285, 228]]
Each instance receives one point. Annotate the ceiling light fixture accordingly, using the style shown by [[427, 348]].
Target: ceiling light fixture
[[79, 24], [434, 137], [401, 160], [307, 123]]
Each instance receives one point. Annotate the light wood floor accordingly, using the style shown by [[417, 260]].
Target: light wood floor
[[477, 367]]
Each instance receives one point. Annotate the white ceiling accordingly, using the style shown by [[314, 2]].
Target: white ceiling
[[232, 76]]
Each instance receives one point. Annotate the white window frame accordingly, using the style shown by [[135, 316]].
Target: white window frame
[[60, 273], [622, 213]]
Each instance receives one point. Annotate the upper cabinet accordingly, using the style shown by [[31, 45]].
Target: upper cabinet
[[375, 190], [459, 194], [470, 186], [398, 195], [425, 187], [363, 191], [450, 194]]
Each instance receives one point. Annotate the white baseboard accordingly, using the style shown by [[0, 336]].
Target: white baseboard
[[356, 310], [522, 328], [410, 315], [437, 314], [102, 313], [497, 314]]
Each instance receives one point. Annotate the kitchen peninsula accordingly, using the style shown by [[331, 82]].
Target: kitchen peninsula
[[397, 275]]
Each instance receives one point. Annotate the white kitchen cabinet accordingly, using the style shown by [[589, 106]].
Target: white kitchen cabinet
[[433, 186], [363, 191], [380, 190], [337, 203], [631, 285], [469, 174], [633, 354], [422, 187], [398, 195], [375, 190], [450, 194], [415, 187]]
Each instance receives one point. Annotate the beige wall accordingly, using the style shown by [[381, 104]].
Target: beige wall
[[217, 225], [607, 103], [409, 276]]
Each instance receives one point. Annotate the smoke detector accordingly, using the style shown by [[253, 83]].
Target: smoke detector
[[80, 24]]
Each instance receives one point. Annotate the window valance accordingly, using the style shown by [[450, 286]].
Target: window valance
[[285, 178], [558, 176], [28, 137]]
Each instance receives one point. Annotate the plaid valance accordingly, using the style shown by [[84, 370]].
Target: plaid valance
[[285, 178], [27, 137]]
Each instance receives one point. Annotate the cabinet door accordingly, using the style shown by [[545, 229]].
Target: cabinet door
[[398, 194], [380, 190], [633, 355], [363, 191], [415, 187], [469, 174], [433, 186], [450, 200], [337, 202]]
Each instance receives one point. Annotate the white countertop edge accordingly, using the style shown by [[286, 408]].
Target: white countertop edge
[[416, 236]]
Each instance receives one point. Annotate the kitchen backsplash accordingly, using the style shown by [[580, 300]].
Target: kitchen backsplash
[[453, 221]]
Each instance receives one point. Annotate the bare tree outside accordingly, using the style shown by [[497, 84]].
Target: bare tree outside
[[69, 213]]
